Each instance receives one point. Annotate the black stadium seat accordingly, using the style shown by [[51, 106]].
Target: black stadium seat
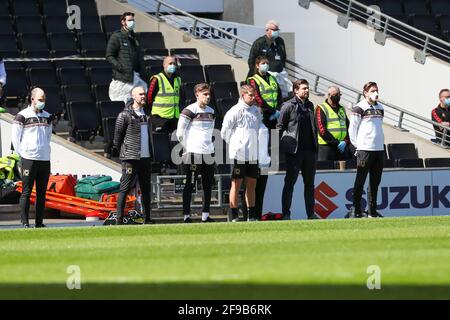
[[219, 73], [67, 64], [437, 162], [186, 55], [325, 165], [93, 44], [62, 44], [402, 151], [6, 26], [108, 126], [224, 90], [83, 120], [155, 57], [444, 22], [409, 163], [101, 92], [110, 109], [388, 163], [187, 92], [7, 44], [152, 70], [439, 7], [33, 43], [72, 76], [390, 7], [56, 24], [90, 25], [110, 23], [25, 8], [160, 146], [191, 73], [426, 23], [88, 7], [29, 25], [151, 40], [44, 77], [77, 93], [4, 9], [54, 8], [100, 76], [223, 105], [53, 103], [17, 86], [413, 7]]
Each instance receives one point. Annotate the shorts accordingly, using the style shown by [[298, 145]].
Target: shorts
[[243, 169]]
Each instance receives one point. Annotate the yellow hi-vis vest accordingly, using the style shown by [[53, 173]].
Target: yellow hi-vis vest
[[7, 165], [336, 122], [167, 100], [268, 91]]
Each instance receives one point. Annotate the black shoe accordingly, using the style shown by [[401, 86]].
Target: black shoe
[[149, 221], [188, 220], [375, 215], [314, 217], [25, 225], [119, 222], [360, 215], [352, 214], [208, 220], [41, 225], [286, 217]]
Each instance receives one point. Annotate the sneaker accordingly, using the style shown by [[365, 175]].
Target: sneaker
[[352, 214], [375, 215], [188, 220], [314, 216], [286, 217], [208, 220], [41, 225], [25, 225], [235, 219]]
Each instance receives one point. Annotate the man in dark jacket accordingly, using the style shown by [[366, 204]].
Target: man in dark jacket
[[441, 115], [124, 53], [132, 138], [299, 142], [271, 46]]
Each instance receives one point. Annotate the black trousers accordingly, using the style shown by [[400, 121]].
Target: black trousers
[[327, 152], [193, 167], [132, 171], [164, 125], [261, 184], [304, 161], [34, 171], [368, 162]]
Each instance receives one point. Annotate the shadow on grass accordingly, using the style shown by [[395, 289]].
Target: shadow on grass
[[211, 291]]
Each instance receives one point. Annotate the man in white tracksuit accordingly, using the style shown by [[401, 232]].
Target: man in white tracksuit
[[31, 134], [240, 129], [366, 134]]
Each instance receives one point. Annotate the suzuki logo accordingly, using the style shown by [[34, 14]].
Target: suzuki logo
[[324, 206]]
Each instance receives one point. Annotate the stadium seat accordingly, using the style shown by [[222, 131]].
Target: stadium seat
[[7, 45], [101, 92], [62, 44], [349, 164], [25, 8], [224, 90], [325, 165], [34, 45], [387, 163], [17, 86], [160, 146], [100, 76], [409, 163], [90, 24], [29, 25], [219, 73], [154, 57], [110, 23], [223, 105], [72, 76], [151, 40], [56, 24], [415, 7], [77, 93], [402, 151], [42, 77], [152, 70], [53, 102], [108, 126], [191, 73], [110, 109], [440, 7], [13, 65], [88, 7], [183, 53], [93, 44], [187, 92], [67, 64], [426, 23], [83, 120], [4, 9], [54, 8], [38, 64], [390, 7], [437, 162], [6, 25], [444, 22]]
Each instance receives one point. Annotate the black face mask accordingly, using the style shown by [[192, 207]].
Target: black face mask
[[335, 99]]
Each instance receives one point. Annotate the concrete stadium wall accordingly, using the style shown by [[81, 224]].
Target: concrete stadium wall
[[352, 57], [238, 11]]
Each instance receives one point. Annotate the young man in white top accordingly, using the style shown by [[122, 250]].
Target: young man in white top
[[195, 131], [240, 129], [31, 134], [366, 134]]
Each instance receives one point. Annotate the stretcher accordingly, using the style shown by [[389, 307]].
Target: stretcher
[[81, 206]]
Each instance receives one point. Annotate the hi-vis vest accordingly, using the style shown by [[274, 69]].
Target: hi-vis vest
[[336, 123], [7, 165], [268, 91], [167, 101]]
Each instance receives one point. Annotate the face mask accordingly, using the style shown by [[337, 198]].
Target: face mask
[[275, 34], [130, 25], [263, 68], [171, 69], [447, 102], [40, 105], [374, 96], [335, 99]]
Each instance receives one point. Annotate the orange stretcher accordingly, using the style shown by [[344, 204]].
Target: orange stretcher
[[81, 206]]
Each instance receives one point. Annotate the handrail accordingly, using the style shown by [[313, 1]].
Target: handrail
[[390, 25], [293, 67]]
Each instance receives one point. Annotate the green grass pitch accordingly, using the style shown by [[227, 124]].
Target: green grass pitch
[[262, 260]]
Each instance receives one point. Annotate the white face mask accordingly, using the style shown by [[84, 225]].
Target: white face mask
[[130, 25], [374, 96]]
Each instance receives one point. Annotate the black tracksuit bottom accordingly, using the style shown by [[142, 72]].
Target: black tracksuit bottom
[[368, 162], [304, 161], [132, 171], [195, 166], [34, 171]]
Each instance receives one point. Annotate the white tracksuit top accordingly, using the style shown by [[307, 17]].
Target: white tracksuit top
[[31, 134], [366, 126]]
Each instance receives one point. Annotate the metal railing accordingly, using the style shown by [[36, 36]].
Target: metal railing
[[387, 26]]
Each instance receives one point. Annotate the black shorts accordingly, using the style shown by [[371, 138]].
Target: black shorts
[[243, 169]]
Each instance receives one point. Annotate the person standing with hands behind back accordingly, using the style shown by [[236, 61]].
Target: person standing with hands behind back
[[31, 134], [366, 134]]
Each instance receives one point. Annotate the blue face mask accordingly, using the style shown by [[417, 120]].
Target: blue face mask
[[275, 34], [447, 102], [130, 25], [171, 69], [40, 105], [263, 68]]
